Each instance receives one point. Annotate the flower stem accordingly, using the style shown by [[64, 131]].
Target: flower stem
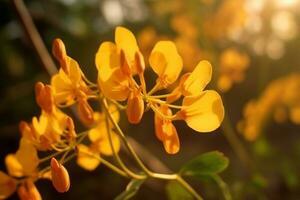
[[223, 186], [116, 155]]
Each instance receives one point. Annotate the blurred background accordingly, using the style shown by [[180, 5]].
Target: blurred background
[[254, 48]]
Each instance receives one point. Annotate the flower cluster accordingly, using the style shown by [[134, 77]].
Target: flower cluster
[[279, 101], [119, 62], [121, 86], [233, 64]]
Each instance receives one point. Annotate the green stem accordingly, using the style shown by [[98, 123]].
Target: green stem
[[188, 187], [223, 186], [234, 142], [116, 155]]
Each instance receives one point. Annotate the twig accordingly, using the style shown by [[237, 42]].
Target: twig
[[34, 36]]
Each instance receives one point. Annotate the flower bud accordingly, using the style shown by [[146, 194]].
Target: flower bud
[[139, 62], [28, 191], [85, 112], [71, 135], [58, 49], [60, 176], [44, 97], [135, 107], [59, 52]]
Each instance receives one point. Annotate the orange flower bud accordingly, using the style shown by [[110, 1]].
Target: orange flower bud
[[58, 49], [135, 107], [44, 97], [28, 191], [59, 52], [139, 62], [85, 112], [60, 176], [71, 135], [124, 64]]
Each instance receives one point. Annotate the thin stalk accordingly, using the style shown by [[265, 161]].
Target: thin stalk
[[235, 143], [180, 180], [116, 155], [121, 134], [223, 186]]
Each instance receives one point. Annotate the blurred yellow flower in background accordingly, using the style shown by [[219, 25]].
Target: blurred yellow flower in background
[[232, 66], [279, 101]]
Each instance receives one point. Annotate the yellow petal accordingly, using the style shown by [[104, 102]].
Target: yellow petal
[[165, 131], [7, 185], [198, 79], [203, 113], [100, 140], [166, 62], [62, 87], [125, 40], [27, 156], [170, 138], [13, 166], [27, 191], [75, 72], [104, 144], [112, 81], [86, 158]]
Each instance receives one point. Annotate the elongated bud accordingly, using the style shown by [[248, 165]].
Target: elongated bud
[[58, 49], [139, 62], [44, 97], [59, 52], [85, 112], [28, 191], [71, 135], [124, 64], [60, 176], [135, 107]]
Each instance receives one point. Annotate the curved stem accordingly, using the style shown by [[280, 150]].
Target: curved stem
[[116, 155], [188, 187], [235, 143], [223, 186]]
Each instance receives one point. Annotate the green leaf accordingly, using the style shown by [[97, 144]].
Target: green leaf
[[176, 192], [131, 189], [206, 164]]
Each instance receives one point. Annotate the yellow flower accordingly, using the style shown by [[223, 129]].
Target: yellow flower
[[232, 67], [47, 129], [28, 191], [278, 101], [111, 59], [60, 176], [89, 156], [24, 162], [165, 62], [8, 185]]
